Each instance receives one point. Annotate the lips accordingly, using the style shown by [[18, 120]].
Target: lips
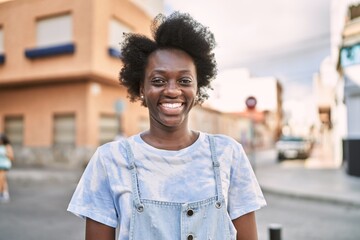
[[171, 108], [171, 105]]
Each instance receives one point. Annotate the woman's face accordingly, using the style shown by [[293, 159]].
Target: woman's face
[[169, 87]]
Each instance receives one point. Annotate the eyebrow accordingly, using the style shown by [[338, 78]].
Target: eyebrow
[[165, 71]]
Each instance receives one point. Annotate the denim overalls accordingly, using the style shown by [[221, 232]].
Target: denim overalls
[[157, 220]]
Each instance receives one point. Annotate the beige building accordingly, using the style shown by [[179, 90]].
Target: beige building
[[59, 93], [349, 69], [337, 87], [209, 120], [234, 86]]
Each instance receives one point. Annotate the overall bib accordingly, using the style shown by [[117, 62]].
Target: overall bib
[[159, 220]]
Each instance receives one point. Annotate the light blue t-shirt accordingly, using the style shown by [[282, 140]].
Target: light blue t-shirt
[[5, 162], [104, 192]]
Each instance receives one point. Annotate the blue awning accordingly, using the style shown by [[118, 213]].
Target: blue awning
[[50, 51], [114, 53], [2, 58]]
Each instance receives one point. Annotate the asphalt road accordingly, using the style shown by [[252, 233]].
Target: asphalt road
[[309, 219], [37, 211]]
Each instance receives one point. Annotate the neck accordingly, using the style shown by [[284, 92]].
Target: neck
[[175, 139]]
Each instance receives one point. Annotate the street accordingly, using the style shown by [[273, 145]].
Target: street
[[37, 211], [309, 220]]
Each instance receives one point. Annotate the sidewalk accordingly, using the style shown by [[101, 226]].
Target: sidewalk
[[44, 175], [313, 178]]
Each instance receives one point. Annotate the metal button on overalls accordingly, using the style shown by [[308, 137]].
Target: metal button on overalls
[[190, 212], [190, 237]]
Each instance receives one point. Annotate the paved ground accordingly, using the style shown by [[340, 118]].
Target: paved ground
[[313, 178], [305, 219], [296, 179], [37, 211]]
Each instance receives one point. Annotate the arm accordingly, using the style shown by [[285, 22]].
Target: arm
[[9, 152], [246, 227], [98, 231]]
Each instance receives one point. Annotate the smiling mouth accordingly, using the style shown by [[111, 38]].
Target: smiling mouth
[[171, 105]]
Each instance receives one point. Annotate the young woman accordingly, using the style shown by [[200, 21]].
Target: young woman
[[6, 156], [169, 182]]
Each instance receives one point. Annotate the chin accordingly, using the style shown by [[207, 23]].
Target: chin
[[173, 123]]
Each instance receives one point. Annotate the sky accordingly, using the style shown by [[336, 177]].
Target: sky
[[286, 39]]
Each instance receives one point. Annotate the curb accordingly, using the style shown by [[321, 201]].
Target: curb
[[311, 197], [35, 175]]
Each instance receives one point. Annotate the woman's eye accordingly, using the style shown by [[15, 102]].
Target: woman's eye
[[185, 81], [158, 81]]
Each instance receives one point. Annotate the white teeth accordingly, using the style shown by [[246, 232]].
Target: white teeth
[[171, 105]]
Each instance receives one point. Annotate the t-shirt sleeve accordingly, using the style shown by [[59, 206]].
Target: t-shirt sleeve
[[245, 194], [93, 197]]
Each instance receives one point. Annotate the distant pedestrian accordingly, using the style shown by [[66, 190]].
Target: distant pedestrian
[[6, 157]]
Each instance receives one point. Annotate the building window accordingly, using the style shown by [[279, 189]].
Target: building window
[[354, 12], [116, 31], [54, 36], [54, 31], [151, 8], [64, 130], [109, 128], [14, 129], [2, 50]]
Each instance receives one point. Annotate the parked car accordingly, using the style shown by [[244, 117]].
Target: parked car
[[293, 147]]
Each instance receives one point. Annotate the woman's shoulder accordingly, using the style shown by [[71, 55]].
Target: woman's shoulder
[[222, 138], [112, 145], [227, 144], [114, 150]]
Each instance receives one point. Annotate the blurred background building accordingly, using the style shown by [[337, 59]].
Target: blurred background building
[[337, 87], [60, 97], [59, 63], [59, 93], [262, 124]]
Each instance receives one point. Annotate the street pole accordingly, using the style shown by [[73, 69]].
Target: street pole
[[252, 142], [250, 103], [274, 231]]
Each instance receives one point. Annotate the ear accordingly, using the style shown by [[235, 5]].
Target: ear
[[141, 91]]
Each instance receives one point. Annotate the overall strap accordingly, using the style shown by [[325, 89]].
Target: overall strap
[[134, 178], [216, 166]]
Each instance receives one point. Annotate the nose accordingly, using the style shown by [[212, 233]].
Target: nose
[[172, 89]]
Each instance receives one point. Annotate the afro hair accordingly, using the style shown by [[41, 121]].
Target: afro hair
[[179, 31]]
